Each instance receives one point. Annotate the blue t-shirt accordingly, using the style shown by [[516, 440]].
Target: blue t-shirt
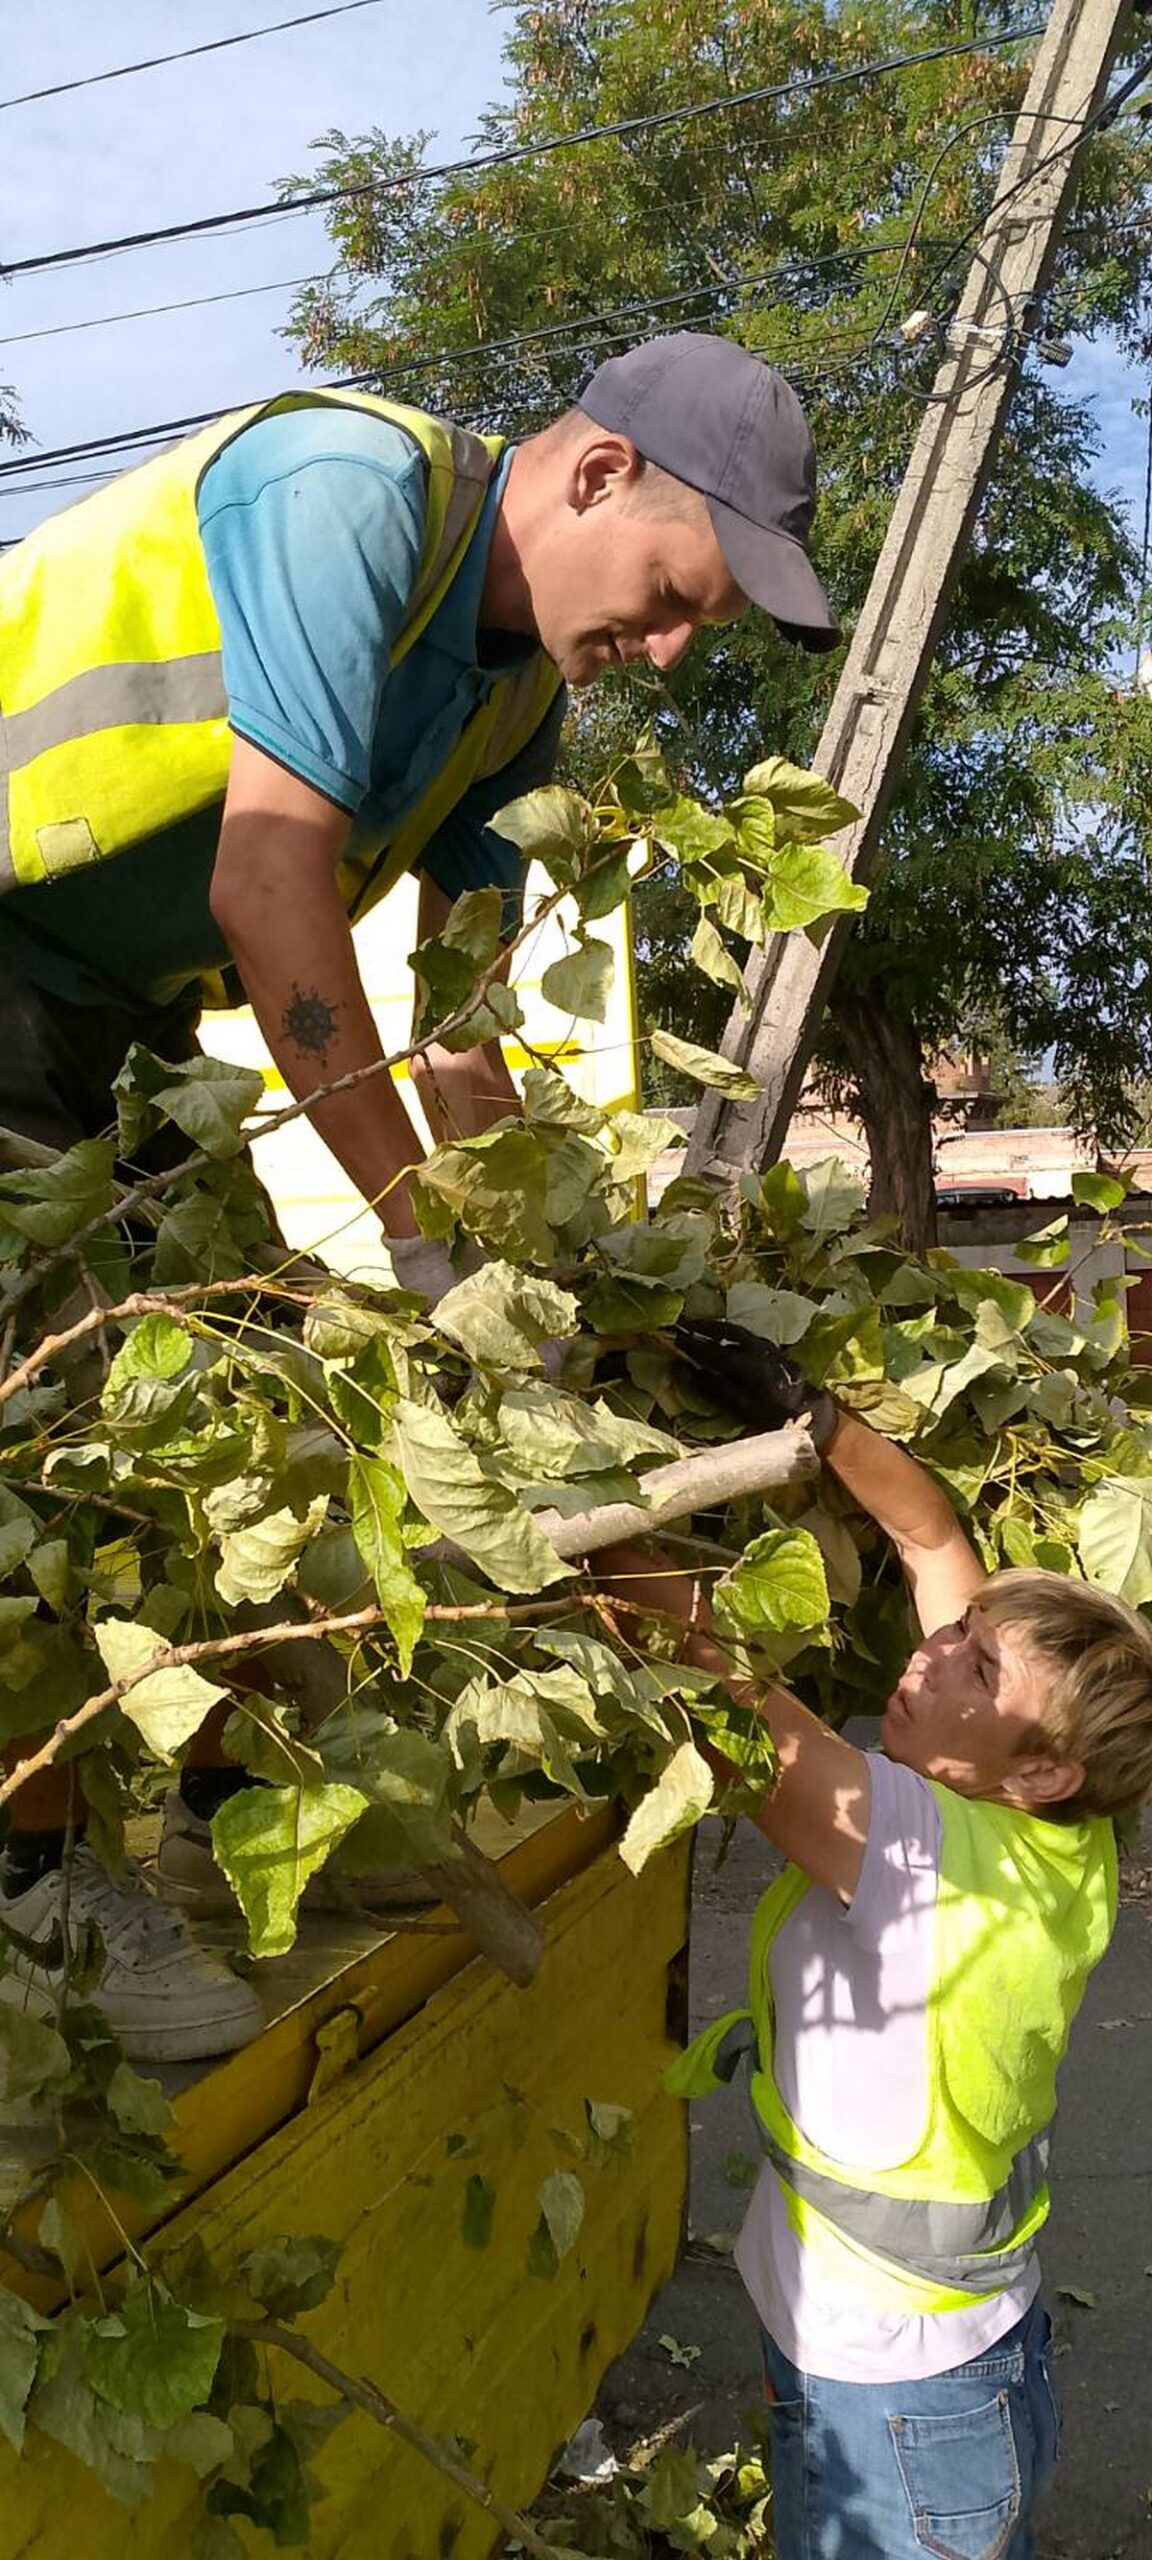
[[312, 524]]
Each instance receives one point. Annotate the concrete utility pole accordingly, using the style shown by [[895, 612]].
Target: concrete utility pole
[[876, 700]]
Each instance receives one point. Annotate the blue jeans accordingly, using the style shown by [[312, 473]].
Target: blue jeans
[[888, 2471]]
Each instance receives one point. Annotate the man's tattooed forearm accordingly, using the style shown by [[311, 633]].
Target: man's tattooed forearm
[[310, 1021]]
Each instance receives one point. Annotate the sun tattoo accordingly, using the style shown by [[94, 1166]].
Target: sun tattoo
[[310, 1021]]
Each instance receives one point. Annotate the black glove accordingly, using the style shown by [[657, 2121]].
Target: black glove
[[753, 1380]]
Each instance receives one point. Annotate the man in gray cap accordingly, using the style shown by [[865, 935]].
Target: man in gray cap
[[321, 643], [701, 413], [248, 684]]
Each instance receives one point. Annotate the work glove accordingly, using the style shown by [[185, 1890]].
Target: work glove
[[424, 1265], [754, 1381]]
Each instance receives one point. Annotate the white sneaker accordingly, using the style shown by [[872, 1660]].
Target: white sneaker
[[187, 1875], [167, 1998]]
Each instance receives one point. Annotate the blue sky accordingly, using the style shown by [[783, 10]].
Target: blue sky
[[169, 145], [204, 136]]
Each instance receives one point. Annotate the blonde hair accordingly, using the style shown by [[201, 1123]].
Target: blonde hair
[[1097, 1654]]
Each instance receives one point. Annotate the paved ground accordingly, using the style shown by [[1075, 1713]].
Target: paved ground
[[1099, 2239]]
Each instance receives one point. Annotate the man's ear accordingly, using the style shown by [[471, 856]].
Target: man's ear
[[1042, 1781], [608, 466]]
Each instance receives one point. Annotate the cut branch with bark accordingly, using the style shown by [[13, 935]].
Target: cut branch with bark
[[367, 2396]]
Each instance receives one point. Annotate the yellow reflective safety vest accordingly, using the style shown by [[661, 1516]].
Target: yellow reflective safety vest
[[113, 719], [1025, 1908]]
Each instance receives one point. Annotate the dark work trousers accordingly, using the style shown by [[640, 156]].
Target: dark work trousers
[[59, 1062]]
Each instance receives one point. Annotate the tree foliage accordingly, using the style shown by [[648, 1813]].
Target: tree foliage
[[257, 1462], [1011, 878]]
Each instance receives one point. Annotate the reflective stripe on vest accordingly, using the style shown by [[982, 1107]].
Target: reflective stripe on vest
[[103, 743], [946, 2243]]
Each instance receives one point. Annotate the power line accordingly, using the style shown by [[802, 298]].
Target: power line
[[154, 310], [592, 325], [596, 325], [621, 128], [797, 270], [155, 61]]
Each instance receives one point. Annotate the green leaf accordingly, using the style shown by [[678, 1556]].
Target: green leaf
[[808, 882], [208, 1098], [17, 1537], [805, 807], [581, 982], [362, 1396], [612, 2130], [447, 966], [49, 1205], [21, 2329], [605, 884], [338, 1325], [257, 1737], [449, 1486], [269, 1840], [199, 2440], [156, 1347], [703, 1066], [502, 1315], [479, 2211], [169, 1705], [939, 1383], [152, 2358], [377, 1498], [553, 1434], [640, 1137], [779, 1585], [1047, 1249], [711, 954], [526, 1712], [974, 1288], [473, 923], [279, 2490], [559, 2226], [673, 2502], [406, 1777], [681, 1795], [779, 1315], [51, 1569], [744, 1739], [292, 2276], [835, 1198], [257, 1561], [496, 1187], [551, 826], [785, 1199], [1114, 1536], [1102, 1191], [550, 1102], [690, 832], [65, 2408], [139, 2105]]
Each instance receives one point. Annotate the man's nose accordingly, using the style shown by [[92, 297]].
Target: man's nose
[[664, 649]]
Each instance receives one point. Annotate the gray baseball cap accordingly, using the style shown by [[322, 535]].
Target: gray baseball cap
[[730, 426]]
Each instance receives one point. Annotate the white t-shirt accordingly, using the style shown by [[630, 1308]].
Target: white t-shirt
[[850, 1985]]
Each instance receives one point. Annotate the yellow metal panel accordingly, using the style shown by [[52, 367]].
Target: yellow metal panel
[[466, 2340], [231, 2104]]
